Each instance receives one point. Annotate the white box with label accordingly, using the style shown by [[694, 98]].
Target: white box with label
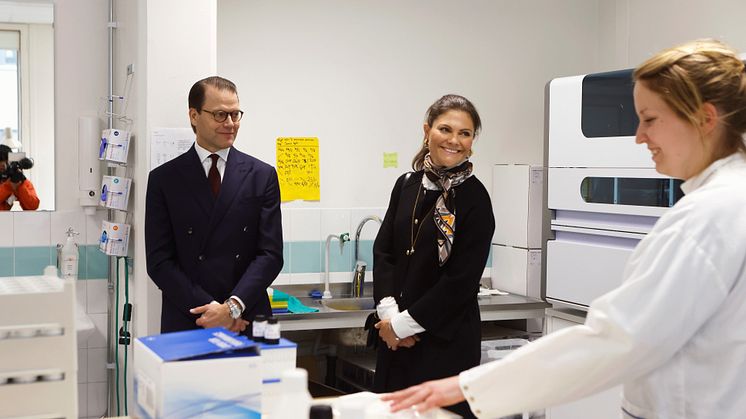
[[197, 373], [516, 270]]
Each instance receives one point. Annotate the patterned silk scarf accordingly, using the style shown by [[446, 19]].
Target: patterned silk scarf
[[445, 218]]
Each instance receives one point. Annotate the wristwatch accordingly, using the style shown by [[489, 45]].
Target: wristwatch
[[235, 309]]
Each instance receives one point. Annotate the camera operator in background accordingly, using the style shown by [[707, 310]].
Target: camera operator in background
[[13, 184]]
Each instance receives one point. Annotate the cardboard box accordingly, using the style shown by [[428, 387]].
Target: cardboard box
[[197, 373]]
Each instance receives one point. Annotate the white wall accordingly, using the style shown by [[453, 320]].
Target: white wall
[[641, 28], [360, 75]]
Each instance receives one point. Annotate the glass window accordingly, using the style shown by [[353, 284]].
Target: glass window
[[608, 109], [9, 82], [649, 192]]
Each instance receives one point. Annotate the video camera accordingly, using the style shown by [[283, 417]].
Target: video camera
[[17, 163]]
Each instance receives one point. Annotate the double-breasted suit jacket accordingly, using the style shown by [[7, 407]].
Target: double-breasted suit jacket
[[201, 248]]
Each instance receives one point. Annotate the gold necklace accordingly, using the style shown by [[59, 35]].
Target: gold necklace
[[412, 236]]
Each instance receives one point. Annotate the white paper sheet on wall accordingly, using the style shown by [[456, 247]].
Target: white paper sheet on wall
[[167, 143]]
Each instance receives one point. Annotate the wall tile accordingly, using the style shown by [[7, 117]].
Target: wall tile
[[93, 227], [82, 400], [97, 365], [60, 221], [97, 399], [370, 229], [31, 260], [97, 263], [287, 223], [98, 297], [306, 224], [97, 339], [282, 279], [6, 261], [285, 258], [305, 256], [31, 228], [338, 261], [6, 229], [82, 365]]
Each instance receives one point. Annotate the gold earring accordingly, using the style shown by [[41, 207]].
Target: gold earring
[[425, 143]]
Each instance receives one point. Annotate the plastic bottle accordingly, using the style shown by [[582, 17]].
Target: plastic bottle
[[296, 400], [321, 411], [258, 326], [272, 332], [68, 256]]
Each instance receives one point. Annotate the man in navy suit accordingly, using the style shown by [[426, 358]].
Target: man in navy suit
[[213, 232]]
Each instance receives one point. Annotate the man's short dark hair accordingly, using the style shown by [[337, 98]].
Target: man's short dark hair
[[4, 150], [197, 92]]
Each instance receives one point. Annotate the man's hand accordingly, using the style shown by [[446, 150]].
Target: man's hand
[[386, 332], [214, 315], [430, 394]]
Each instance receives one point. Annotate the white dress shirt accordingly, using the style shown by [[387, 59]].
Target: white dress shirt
[[204, 158]]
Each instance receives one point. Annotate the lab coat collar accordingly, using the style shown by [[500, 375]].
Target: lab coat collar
[[698, 180]]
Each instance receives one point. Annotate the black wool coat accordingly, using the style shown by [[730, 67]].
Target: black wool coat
[[443, 300]]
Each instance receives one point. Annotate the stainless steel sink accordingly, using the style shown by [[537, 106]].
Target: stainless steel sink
[[349, 304]]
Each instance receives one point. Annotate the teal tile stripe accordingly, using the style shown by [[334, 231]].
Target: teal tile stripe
[[299, 256], [29, 261]]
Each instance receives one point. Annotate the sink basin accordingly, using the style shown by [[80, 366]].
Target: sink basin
[[350, 304]]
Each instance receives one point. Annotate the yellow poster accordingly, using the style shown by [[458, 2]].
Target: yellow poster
[[298, 168]]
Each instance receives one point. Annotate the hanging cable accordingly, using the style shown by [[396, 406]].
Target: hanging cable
[[116, 328]]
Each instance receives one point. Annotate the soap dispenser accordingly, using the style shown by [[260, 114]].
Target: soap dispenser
[[67, 256]]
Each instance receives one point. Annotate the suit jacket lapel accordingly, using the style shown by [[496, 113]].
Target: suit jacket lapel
[[236, 169], [196, 182]]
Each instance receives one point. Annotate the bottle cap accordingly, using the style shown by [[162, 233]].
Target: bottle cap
[[321, 411], [260, 318], [272, 320]]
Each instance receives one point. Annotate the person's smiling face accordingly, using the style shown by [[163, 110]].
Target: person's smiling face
[[450, 138], [675, 144]]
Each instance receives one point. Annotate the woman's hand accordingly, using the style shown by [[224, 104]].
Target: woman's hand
[[387, 334], [427, 395]]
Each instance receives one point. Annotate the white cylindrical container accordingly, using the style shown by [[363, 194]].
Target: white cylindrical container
[[296, 400]]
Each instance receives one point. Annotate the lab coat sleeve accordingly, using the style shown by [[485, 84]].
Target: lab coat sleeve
[[672, 287]]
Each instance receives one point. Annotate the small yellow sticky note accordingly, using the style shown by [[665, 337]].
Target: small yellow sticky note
[[298, 168], [390, 160]]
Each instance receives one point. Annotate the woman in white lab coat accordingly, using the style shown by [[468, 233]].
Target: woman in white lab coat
[[674, 333]]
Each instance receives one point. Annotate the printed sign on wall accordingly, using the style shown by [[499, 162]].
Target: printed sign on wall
[[298, 168]]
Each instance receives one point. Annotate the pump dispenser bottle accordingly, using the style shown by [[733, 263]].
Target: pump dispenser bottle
[[67, 256]]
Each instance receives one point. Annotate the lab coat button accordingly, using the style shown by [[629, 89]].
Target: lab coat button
[[471, 399], [201, 257], [478, 412]]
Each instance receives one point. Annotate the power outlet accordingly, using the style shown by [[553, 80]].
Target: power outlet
[[130, 69]]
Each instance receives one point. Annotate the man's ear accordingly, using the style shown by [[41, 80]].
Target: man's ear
[[193, 116]]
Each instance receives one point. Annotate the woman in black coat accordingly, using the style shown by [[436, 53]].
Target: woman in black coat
[[429, 256]]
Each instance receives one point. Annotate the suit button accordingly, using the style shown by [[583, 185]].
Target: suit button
[[238, 257], [246, 228], [201, 257], [189, 231]]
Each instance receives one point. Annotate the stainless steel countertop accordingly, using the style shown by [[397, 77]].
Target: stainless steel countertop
[[497, 307]]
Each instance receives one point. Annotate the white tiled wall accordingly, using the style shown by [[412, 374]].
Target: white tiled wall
[[44, 228]]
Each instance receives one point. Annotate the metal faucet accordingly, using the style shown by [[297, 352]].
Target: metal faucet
[[358, 277], [344, 237]]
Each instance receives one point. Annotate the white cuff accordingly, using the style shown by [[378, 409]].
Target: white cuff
[[240, 302], [405, 326]]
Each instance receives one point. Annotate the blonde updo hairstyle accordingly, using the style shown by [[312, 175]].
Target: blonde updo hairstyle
[[690, 75]]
